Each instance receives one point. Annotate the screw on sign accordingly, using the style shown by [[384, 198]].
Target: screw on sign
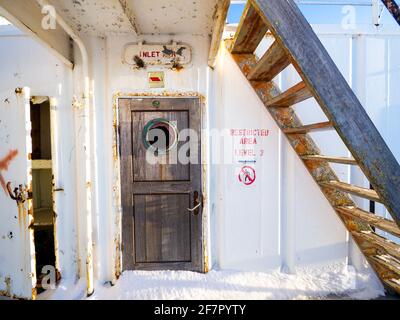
[[247, 175]]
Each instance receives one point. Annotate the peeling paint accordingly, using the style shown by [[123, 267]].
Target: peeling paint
[[204, 167], [19, 91], [172, 94], [7, 281], [117, 204], [77, 104], [139, 16], [110, 16]]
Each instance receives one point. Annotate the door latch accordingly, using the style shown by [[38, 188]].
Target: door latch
[[195, 208], [197, 203], [19, 194]]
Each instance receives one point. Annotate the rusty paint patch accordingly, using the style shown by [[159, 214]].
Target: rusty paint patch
[[7, 293], [34, 294], [173, 94], [22, 217], [77, 104], [116, 193], [176, 66], [55, 222], [204, 168], [19, 91], [118, 268], [7, 281], [89, 277]]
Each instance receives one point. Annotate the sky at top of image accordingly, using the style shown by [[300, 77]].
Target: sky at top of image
[[3, 21], [327, 13]]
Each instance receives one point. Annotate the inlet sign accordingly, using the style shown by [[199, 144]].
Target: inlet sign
[[140, 55]]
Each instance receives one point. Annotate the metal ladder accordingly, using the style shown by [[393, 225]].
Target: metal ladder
[[297, 44]]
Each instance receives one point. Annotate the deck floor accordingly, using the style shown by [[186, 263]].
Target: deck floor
[[335, 282]]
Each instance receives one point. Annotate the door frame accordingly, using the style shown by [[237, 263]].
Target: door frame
[[118, 262], [55, 174]]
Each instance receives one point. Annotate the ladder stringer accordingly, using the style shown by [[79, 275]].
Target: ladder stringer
[[339, 103], [320, 170]]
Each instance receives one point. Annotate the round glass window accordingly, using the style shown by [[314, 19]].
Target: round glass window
[[160, 136]]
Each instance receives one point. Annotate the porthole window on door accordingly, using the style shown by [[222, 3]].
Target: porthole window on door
[[160, 136]]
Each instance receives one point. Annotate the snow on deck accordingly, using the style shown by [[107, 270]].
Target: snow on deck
[[336, 280]]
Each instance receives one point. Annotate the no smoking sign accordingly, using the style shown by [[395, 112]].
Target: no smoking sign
[[247, 175]]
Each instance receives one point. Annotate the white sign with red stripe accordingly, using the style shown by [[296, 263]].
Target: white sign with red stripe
[[156, 79]]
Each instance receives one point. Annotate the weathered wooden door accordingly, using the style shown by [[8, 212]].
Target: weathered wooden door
[[160, 144]]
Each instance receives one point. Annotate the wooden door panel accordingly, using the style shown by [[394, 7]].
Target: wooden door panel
[[167, 167], [159, 233], [164, 188], [164, 227]]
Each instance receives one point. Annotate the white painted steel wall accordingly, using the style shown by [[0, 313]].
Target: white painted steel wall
[[111, 77], [25, 63], [282, 220], [246, 217], [296, 226]]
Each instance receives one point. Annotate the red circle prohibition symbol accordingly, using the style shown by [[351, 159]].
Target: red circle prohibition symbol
[[247, 175]]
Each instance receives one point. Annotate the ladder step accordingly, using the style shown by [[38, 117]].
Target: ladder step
[[308, 128], [376, 245], [388, 262], [294, 95], [354, 190], [372, 219], [388, 269], [270, 65], [250, 32], [341, 160], [393, 283]]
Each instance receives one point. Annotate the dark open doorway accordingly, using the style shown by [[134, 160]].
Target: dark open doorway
[[42, 187]]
